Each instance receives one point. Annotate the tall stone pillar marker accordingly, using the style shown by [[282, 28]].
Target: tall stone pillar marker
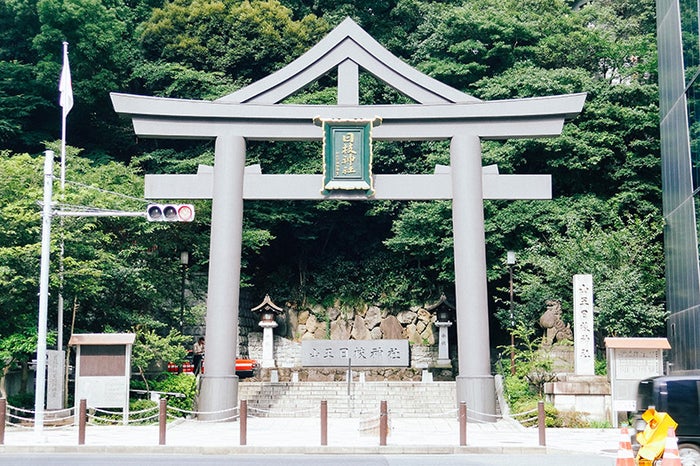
[[475, 384], [219, 384], [584, 344]]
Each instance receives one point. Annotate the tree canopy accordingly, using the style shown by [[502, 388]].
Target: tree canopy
[[605, 218]]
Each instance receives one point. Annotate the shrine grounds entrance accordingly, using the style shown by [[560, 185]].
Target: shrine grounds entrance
[[441, 113]]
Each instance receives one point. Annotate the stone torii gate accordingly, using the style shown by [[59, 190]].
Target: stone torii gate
[[254, 113]]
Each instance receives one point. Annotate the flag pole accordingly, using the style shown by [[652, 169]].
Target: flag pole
[[65, 88], [66, 100]]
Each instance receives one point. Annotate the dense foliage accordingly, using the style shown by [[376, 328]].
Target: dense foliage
[[604, 219]]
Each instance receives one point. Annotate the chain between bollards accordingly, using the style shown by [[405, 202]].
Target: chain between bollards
[[383, 423], [462, 424], [243, 423], [82, 420], [162, 420], [541, 423], [324, 422]]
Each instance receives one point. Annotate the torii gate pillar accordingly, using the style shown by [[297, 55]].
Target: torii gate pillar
[[476, 388], [219, 386]]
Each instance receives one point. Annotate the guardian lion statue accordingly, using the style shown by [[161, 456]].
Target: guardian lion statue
[[555, 328]]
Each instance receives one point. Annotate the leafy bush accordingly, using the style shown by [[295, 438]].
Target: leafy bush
[[178, 383], [21, 400], [551, 414], [140, 412], [573, 419], [142, 409]]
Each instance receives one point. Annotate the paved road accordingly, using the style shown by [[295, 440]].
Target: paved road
[[63, 459]]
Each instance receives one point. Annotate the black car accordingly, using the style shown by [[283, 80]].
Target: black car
[[679, 396]]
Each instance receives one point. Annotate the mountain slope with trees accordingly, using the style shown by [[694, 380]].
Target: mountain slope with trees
[[605, 218]]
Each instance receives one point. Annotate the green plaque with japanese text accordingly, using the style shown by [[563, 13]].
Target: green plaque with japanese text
[[347, 155]]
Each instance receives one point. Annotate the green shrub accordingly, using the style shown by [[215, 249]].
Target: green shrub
[[21, 400], [178, 383], [518, 389], [573, 419], [551, 414]]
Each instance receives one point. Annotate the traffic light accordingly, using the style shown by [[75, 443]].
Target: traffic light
[[170, 212]]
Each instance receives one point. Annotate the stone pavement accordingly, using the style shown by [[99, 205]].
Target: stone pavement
[[302, 436]]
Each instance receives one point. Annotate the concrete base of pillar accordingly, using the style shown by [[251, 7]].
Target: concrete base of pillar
[[479, 392], [218, 398]]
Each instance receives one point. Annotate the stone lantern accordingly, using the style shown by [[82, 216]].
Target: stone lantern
[[268, 312], [445, 314]]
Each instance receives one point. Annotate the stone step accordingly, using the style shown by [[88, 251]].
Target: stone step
[[404, 399]]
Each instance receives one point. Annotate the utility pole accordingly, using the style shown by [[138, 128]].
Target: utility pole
[[40, 390]]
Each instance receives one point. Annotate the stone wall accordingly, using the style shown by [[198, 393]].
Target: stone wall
[[345, 323], [362, 323]]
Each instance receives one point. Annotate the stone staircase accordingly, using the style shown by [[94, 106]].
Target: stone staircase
[[359, 399]]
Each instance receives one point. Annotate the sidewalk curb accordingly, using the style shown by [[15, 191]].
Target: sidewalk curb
[[267, 450]]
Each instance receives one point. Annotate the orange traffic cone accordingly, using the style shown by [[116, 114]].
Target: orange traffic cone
[[671, 457], [624, 453]]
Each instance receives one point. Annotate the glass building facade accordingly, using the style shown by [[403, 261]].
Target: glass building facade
[[679, 100]]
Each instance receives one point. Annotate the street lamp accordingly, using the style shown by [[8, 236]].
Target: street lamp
[[184, 262], [510, 260]]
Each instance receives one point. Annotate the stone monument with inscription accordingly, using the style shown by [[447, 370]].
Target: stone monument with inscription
[[584, 344], [582, 391]]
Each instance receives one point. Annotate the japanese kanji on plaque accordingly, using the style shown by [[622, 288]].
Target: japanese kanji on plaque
[[347, 155]]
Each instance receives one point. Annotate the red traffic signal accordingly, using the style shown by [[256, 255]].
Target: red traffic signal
[[170, 212]]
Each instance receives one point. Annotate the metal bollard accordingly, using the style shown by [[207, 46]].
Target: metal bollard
[[383, 423], [3, 413], [162, 420], [462, 424], [82, 420], [324, 422], [541, 423], [244, 422]]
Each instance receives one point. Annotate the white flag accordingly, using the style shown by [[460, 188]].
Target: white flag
[[65, 85]]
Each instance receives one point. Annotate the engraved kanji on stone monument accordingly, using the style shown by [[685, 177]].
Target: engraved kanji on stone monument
[[584, 350]]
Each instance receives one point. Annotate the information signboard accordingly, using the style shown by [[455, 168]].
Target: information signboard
[[629, 361]]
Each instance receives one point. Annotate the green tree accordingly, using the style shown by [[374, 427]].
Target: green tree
[[627, 275], [605, 166], [149, 348], [18, 349], [245, 40]]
